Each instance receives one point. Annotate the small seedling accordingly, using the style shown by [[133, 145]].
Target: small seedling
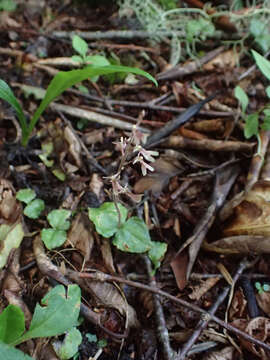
[[34, 207], [262, 287], [57, 234], [130, 235], [252, 125], [81, 47], [58, 314]]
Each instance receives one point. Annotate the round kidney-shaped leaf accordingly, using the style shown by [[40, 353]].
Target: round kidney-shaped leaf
[[106, 218], [133, 236]]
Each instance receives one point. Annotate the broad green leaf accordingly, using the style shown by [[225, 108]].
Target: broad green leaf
[[262, 63], [11, 324], [106, 218], [133, 236], [10, 353], [7, 94], [53, 238], [251, 125], [157, 252], [58, 314], [267, 90], [241, 96], [65, 79], [58, 219], [34, 209], [79, 45], [70, 345], [10, 238], [26, 195], [259, 30]]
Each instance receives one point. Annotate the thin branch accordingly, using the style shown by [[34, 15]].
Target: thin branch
[[99, 276]]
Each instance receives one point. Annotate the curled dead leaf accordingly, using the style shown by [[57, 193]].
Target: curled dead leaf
[[260, 329]]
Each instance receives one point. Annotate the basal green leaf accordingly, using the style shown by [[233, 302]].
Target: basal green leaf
[[58, 219], [65, 79], [241, 96], [79, 45], [58, 314], [133, 236], [26, 195], [106, 218], [7, 94], [8, 5], [262, 63], [267, 90], [70, 345], [97, 60], [34, 209], [157, 252], [53, 238], [251, 125], [10, 238], [11, 324], [10, 353], [259, 30]]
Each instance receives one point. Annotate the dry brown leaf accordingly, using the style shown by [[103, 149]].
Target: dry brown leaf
[[74, 146], [243, 244], [80, 236], [252, 215], [10, 208], [224, 354], [164, 168], [199, 290], [263, 300], [227, 59], [238, 307], [259, 328], [106, 294]]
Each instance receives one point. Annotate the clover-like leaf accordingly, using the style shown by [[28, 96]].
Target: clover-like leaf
[[26, 195], [58, 219], [58, 314], [34, 209], [133, 236], [53, 238], [106, 218]]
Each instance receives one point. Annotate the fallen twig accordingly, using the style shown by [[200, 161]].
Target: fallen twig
[[99, 276]]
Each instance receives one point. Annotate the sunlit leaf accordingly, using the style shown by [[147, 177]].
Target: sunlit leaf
[[26, 195]]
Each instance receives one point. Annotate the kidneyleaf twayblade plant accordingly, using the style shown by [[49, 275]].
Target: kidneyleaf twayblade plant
[[130, 235], [61, 82]]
